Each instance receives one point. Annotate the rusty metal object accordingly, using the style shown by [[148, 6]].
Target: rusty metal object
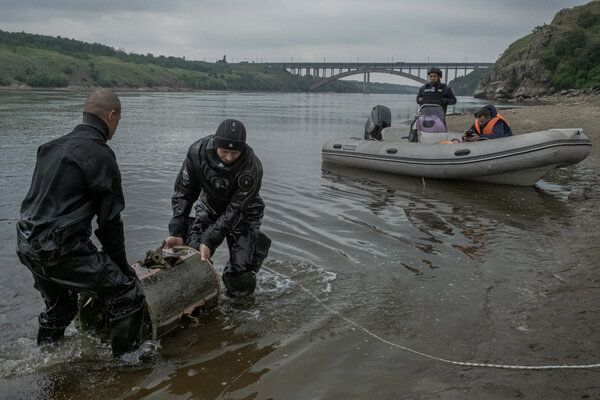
[[178, 286]]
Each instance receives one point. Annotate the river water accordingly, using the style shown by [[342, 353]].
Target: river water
[[457, 270]]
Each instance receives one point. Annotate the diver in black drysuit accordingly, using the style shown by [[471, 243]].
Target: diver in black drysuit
[[76, 177], [229, 206], [436, 92]]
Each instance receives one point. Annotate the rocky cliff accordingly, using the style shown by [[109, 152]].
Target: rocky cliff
[[560, 56]]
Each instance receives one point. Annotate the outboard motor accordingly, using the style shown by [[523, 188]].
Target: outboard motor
[[381, 117]]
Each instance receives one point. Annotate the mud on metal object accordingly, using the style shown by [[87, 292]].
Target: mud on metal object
[[178, 287]]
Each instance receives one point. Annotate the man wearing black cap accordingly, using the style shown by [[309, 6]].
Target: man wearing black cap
[[223, 172], [434, 91]]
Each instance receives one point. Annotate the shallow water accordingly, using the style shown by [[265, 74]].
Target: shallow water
[[463, 271]]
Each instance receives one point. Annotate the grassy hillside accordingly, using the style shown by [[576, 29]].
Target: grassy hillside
[[48, 68], [45, 61]]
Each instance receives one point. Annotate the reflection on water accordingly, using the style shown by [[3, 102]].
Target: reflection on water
[[441, 210], [462, 270]]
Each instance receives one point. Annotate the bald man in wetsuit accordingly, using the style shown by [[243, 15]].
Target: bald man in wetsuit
[[76, 178]]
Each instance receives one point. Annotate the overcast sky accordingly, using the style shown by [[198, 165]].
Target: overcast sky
[[334, 30]]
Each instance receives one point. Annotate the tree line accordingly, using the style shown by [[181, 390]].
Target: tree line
[[80, 49]]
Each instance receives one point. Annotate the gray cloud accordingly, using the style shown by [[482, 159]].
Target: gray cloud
[[279, 30]]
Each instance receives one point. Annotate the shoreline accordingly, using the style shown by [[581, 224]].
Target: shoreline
[[581, 111], [564, 97]]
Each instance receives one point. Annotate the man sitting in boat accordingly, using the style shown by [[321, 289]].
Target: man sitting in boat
[[434, 91], [488, 125]]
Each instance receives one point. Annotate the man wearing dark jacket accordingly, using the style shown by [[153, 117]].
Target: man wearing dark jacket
[[488, 125], [224, 174], [434, 91], [76, 177]]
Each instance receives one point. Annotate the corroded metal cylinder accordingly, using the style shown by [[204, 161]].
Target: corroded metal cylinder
[[177, 289], [178, 286]]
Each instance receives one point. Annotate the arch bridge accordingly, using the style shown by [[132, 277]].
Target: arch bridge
[[326, 72]]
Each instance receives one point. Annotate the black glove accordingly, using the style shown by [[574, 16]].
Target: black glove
[[120, 259]]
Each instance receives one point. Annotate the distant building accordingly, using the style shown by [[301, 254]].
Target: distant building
[[223, 60]]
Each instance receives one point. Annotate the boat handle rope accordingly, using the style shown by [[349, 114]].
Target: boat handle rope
[[429, 356]]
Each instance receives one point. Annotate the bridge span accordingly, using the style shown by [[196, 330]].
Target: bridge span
[[325, 72]]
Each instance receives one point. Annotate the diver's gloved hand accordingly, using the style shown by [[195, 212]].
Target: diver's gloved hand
[[120, 259]]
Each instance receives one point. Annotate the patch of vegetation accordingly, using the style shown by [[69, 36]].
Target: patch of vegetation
[[466, 85], [572, 56], [574, 59]]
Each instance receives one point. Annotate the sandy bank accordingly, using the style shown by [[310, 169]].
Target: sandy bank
[[568, 112]]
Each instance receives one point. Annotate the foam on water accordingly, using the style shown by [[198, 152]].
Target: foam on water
[[149, 351], [310, 274], [24, 356], [272, 284], [277, 307]]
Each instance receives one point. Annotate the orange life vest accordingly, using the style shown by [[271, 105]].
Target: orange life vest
[[489, 128]]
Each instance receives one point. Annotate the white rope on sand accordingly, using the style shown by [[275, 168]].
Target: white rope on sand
[[460, 363]]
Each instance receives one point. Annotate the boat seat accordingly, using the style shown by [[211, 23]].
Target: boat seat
[[431, 124], [394, 134]]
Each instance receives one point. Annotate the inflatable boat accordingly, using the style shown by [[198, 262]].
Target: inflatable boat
[[428, 150]]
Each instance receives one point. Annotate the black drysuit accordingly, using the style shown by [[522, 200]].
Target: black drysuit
[[230, 207], [436, 93], [76, 177]]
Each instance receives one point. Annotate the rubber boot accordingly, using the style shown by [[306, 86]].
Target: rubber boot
[[239, 284], [49, 335], [126, 332], [261, 249]]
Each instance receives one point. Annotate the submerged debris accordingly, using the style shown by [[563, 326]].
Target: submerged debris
[[581, 193]]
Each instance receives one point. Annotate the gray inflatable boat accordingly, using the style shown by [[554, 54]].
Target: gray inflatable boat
[[515, 160]]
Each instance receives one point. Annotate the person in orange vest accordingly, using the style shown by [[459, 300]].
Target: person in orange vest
[[488, 124]]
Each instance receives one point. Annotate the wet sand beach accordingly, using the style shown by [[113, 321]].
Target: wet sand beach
[[568, 303]]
